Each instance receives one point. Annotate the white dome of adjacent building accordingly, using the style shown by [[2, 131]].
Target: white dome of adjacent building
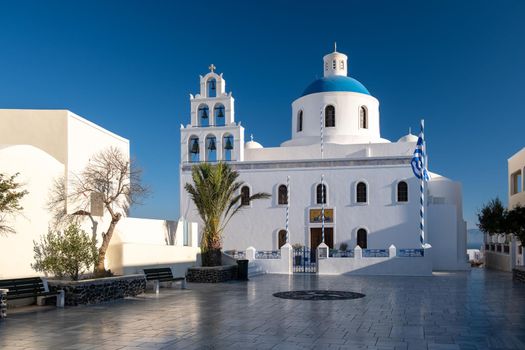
[[252, 144], [408, 138]]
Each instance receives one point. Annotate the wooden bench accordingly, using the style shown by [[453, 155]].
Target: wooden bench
[[162, 274], [30, 287]]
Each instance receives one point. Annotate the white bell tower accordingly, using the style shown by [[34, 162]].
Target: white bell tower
[[335, 63], [212, 134]]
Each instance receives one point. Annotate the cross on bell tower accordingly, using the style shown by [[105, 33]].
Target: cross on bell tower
[[212, 68]]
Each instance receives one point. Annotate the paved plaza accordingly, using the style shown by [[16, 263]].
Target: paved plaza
[[473, 310]]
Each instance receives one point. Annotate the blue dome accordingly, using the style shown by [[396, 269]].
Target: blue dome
[[335, 83]]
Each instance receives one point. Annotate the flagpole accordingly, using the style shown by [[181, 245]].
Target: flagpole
[[422, 188], [322, 177], [287, 207]]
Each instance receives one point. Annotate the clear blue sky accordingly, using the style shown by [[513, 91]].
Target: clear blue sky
[[130, 66]]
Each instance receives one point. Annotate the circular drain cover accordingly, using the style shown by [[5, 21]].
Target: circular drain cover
[[318, 295]]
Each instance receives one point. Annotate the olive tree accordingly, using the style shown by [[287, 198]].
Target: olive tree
[[67, 253], [113, 181]]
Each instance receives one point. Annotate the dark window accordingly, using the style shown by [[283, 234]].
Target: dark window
[[329, 116], [321, 194], [361, 192], [363, 117], [282, 238], [283, 194], [300, 121], [245, 195], [402, 192], [361, 238]]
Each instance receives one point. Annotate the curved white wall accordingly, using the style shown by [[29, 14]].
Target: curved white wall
[[347, 129]]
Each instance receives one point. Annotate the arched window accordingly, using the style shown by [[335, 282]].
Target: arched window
[[402, 191], [361, 192], [362, 238], [245, 195], [363, 117], [212, 87], [211, 148], [333, 64], [321, 194], [227, 144], [329, 116], [283, 194], [300, 121], [204, 115], [193, 149], [219, 115], [282, 238]]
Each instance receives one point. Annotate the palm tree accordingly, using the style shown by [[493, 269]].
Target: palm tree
[[215, 192]]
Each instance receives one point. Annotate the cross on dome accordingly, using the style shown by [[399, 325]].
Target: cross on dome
[[212, 68]]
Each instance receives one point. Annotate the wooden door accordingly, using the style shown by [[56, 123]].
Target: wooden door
[[316, 237]]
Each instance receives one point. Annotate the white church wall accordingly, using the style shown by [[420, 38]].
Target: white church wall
[[447, 237], [330, 151], [258, 226]]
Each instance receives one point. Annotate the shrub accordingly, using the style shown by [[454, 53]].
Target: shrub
[[69, 253], [343, 247]]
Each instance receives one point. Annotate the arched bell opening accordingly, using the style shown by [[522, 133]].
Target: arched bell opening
[[219, 114], [211, 148], [228, 147], [204, 115], [193, 149]]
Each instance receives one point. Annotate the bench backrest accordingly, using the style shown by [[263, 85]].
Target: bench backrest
[[162, 273], [23, 287]]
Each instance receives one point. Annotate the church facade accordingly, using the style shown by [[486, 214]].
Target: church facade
[[336, 160]]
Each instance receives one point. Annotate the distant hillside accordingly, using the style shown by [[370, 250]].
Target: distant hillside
[[474, 238]]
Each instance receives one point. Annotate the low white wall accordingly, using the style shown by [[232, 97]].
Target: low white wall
[[401, 266], [131, 258], [279, 266], [498, 261]]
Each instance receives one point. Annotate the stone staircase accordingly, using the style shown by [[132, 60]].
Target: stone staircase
[[254, 269]]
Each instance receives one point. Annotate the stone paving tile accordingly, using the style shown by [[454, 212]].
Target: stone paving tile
[[475, 310]]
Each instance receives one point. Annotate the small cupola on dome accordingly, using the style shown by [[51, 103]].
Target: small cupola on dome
[[252, 144], [409, 137], [335, 63]]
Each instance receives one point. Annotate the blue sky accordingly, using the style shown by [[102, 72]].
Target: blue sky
[[130, 66]]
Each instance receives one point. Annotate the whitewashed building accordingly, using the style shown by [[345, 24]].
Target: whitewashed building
[[43, 146], [371, 195]]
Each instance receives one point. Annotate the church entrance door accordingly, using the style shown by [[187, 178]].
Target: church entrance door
[[316, 237]]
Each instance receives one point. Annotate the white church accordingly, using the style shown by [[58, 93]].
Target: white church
[[364, 182]]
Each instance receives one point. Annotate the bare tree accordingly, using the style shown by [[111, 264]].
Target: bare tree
[[10, 196], [115, 182]]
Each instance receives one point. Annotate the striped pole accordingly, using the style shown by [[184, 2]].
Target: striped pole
[[322, 176], [322, 208], [322, 132], [422, 188], [287, 207]]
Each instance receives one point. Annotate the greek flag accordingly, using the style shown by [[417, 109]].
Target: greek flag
[[418, 161]]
